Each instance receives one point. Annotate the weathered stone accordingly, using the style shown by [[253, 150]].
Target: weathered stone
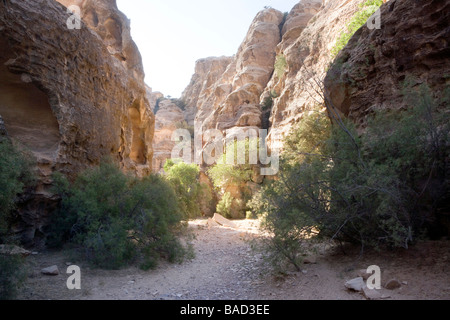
[[363, 273], [223, 221], [392, 284], [312, 259], [13, 250], [310, 31], [212, 223], [50, 271], [370, 72], [168, 118], [372, 294], [356, 284], [73, 97], [225, 92]]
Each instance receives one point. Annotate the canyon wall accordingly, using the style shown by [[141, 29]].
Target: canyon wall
[[249, 90], [71, 96], [412, 45]]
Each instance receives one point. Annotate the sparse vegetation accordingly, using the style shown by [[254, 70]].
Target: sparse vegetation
[[118, 219], [179, 103], [280, 66], [15, 175], [12, 275], [226, 176], [184, 179], [374, 191], [367, 9]]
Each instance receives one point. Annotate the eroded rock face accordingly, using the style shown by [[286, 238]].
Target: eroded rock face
[[169, 118], [237, 94], [412, 45], [198, 93], [70, 96], [105, 19], [309, 34]]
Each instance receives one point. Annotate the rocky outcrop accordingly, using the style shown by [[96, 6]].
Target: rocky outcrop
[[237, 94], [198, 93], [412, 45], [309, 34], [104, 18], [225, 91], [72, 97], [248, 93], [169, 118]]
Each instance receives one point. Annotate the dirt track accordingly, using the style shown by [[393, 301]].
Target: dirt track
[[225, 268]]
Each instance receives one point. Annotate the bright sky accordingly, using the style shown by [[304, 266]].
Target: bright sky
[[173, 34]]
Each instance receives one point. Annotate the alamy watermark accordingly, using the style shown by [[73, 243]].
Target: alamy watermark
[[374, 22], [74, 21], [374, 281], [233, 147], [74, 281]]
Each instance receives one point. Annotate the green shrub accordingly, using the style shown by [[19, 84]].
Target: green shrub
[[224, 207], [367, 9], [15, 175], [12, 275], [280, 66], [185, 180], [376, 190], [118, 219], [226, 176]]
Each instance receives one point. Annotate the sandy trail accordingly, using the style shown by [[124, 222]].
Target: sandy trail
[[226, 268]]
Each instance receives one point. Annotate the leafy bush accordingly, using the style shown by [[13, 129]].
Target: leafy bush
[[226, 173], [118, 219], [376, 190], [227, 176], [184, 179], [12, 275], [280, 66], [367, 9], [15, 175], [224, 205]]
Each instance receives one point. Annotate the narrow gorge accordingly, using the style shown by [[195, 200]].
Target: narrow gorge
[[73, 99]]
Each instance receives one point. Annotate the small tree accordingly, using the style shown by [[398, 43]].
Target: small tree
[[185, 180], [233, 176]]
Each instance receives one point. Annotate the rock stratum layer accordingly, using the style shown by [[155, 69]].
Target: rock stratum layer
[[229, 93], [368, 74], [71, 96]]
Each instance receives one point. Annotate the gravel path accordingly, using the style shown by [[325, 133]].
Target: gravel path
[[226, 268]]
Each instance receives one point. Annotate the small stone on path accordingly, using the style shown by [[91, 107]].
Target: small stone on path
[[51, 271]]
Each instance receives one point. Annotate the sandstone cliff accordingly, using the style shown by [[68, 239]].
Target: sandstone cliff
[[168, 118], [228, 89], [71, 96], [249, 90], [412, 45], [309, 34]]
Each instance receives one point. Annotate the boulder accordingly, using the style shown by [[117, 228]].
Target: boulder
[[50, 271], [372, 294], [392, 284], [312, 259], [364, 274], [13, 250], [223, 221], [356, 284]]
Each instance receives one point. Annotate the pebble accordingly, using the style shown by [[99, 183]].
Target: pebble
[[393, 284]]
